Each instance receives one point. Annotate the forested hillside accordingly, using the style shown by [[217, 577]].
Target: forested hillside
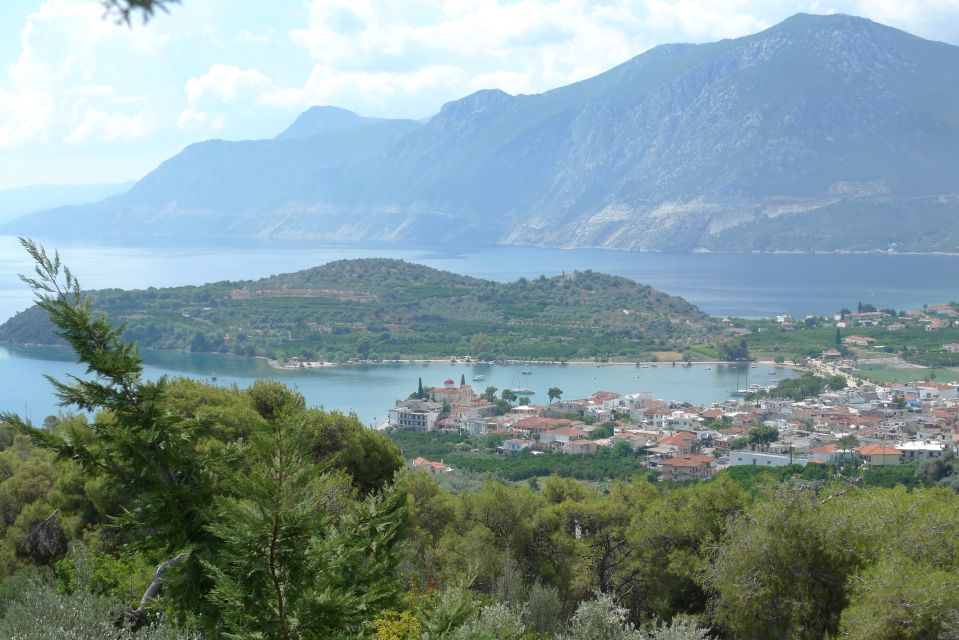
[[391, 309]]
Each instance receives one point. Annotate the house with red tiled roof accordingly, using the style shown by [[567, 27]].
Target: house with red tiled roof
[[858, 340], [562, 435], [690, 467], [537, 424], [711, 415], [878, 455], [429, 465]]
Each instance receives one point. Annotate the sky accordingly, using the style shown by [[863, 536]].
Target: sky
[[86, 100]]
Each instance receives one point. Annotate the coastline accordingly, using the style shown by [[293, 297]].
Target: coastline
[[510, 363]]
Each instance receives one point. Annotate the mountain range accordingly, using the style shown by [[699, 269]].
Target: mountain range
[[23, 200], [827, 133]]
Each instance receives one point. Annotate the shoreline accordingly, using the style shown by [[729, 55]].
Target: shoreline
[[517, 363]]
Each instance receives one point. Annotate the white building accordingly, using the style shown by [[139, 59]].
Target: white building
[[921, 450], [415, 415], [762, 459]]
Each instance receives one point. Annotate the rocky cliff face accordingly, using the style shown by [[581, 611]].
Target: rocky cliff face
[[819, 132]]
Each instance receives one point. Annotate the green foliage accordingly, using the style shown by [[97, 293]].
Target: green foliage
[[762, 435], [604, 430], [493, 622], [381, 309], [731, 350], [805, 386], [601, 618], [37, 611], [296, 557], [901, 599], [290, 527]]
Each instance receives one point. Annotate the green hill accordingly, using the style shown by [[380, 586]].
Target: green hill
[[387, 309]]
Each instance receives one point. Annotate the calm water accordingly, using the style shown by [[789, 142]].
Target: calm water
[[370, 391], [750, 285]]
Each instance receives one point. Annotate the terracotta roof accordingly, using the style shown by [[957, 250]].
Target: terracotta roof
[[568, 431], [826, 449], [687, 461], [877, 450]]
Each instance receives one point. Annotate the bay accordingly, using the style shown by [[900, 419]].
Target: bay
[[370, 390], [746, 285]]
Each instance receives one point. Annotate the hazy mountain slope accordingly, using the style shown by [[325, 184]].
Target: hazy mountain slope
[[684, 147], [23, 200], [317, 120]]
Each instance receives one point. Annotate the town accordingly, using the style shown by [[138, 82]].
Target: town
[[865, 424]]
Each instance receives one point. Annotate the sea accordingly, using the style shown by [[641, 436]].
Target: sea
[[722, 284]]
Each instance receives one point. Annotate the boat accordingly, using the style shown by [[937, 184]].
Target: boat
[[753, 388], [526, 372], [709, 368], [479, 378], [523, 391], [213, 377]]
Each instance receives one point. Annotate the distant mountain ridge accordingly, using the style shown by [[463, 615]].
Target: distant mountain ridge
[[23, 200], [820, 133]]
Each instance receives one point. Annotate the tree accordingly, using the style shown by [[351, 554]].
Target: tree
[[282, 536], [848, 441], [509, 396], [419, 389], [732, 351], [139, 447], [838, 338], [462, 379], [762, 435], [554, 393], [124, 10], [195, 486], [489, 394]]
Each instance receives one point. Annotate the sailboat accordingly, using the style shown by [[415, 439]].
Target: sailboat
[[521, 391]]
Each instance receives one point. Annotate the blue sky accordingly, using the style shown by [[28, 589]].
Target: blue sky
[[84, 100]]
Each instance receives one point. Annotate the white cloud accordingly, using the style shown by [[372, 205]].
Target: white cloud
[[64, 46], [243, 69], [191, 119], [110, 126], [387, 48], [225, 83], [326, 85]]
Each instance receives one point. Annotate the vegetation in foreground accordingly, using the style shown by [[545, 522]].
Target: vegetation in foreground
[[182, 510]]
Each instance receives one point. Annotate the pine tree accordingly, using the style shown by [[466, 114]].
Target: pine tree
[[298, 558], [151, 458], [462, 379], [419, 390], [838, 338]]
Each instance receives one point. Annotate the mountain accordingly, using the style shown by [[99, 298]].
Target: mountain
[[822, 132], [317, 120], [391, 309], [17, 202]]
